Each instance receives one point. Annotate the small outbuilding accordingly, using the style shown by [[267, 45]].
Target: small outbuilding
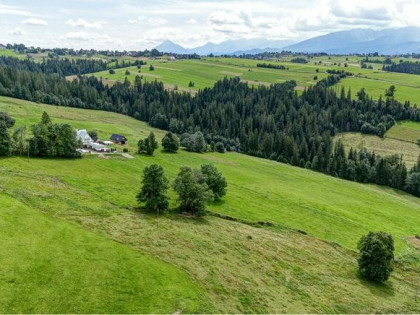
[[118, 139]]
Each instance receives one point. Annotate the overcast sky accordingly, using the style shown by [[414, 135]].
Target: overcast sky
[[129, 24]]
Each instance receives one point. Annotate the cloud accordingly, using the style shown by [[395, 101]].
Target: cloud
[[152, 21], [84, 24], [16, 32], [35, 22], [13, 10], [191, 21], [96, 39]]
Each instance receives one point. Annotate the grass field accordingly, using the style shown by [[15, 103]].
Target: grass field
[[406, 131], [383, 146], [237, 267], [205, 72], [50, 266]]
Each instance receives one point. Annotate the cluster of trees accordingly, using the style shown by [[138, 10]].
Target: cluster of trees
[[170, 143], [194, 188], [147, 145], [266, 121], [299, 60], [403, 67], [271, 66], [334, 71], [48, 139]]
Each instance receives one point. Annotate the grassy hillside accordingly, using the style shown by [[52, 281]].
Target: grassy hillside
[[50, 266], [239, 268], [383, 146], [205, 72], [405, 131]]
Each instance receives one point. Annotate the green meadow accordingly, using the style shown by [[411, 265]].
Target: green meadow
[[80, 216], [177, 74]]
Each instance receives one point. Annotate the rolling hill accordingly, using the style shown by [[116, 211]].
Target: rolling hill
[[304, 260]]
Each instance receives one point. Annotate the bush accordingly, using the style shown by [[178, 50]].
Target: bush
[[151, 68], [376, 256], [127, 72], [219, 147], [125, 150], [170, 142], [111, 71]]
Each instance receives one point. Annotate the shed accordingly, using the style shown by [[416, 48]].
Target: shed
[[118, 138]]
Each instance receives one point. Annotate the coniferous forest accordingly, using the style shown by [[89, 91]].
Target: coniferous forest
[[272, 122]]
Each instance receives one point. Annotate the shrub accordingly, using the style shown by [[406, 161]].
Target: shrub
[[219, 147], [376, 256], [170, 142], [127, 72], [111, 71], [125, 150]]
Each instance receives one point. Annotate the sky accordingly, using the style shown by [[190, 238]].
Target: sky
[[137, 25]]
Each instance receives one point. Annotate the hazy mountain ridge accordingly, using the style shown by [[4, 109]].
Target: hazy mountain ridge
[[386, 41]]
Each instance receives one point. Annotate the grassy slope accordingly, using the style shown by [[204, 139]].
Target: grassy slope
[[207, 71], [275, 270], [406, 131], [50, 266], [382, 146]]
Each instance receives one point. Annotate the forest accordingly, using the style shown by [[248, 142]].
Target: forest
[[272, 122], [403, 67]]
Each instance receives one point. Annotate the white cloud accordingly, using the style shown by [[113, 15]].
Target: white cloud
[[13, 10], [16, 32], [35, 22], [191, 21], [152, 21], [84, 24]]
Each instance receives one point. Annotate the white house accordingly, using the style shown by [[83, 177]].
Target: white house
[[84, 137]]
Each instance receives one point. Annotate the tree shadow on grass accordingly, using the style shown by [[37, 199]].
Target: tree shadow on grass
[[382, 289]]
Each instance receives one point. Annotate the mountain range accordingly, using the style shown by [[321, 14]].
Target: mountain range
[[386, 41]]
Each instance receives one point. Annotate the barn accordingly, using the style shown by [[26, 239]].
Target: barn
[[116, 138]]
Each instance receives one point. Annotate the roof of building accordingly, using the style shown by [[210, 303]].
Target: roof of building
[[83, 135], [117, 137]]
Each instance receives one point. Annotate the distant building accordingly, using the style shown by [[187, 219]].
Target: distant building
[[118, 138], [2, 46], [83, 136]]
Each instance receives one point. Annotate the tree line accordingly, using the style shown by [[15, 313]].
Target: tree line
[[403, 67]]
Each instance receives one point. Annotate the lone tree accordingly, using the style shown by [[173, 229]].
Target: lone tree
[[192, 191], [170, 142], [376, 256], [154, 188], [214, 180], [148, 145]]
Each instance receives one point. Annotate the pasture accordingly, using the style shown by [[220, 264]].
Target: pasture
[[389, 145], [205, 72], [225, 261]]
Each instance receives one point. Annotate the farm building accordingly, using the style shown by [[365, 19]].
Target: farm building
[[83, 136], [118, 138], [98, 147]]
